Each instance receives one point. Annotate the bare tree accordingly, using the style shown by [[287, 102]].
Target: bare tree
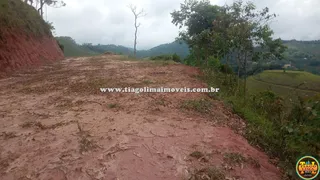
[[137, 14]]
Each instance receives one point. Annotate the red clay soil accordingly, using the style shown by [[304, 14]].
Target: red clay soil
[[56, 124], [19, 50]]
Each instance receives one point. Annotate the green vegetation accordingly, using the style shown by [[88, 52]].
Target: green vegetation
[[200, 105], [221, 37], [173, 57], [284, 129], [177, 49], [294, 55], [303, 55], [112, 106], [72, 49], [303, 83], [18, 15]]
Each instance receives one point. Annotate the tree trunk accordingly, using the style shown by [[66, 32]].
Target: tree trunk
[[135, 37], [245, 75], [40, 10], [239, 67]]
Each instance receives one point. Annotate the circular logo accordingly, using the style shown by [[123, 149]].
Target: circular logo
[[307, 168]]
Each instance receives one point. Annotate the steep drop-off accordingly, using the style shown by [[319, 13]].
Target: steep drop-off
[[25, 38]]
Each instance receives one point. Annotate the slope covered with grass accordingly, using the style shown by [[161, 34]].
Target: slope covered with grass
[[14, 14], [286, 84], [72, 49]]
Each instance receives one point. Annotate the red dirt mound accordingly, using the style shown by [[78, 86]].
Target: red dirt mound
[[19, 49]]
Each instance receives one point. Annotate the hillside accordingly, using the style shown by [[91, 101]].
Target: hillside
[[285, 83], [301, 54], [25, 38], [308, 47], [74, 49], [71, 48], [181, 50]]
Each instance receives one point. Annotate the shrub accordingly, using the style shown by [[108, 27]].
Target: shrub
[[224, 68], [268, 104], [176, 58]]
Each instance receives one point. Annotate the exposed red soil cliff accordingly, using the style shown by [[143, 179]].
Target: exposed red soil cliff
[[19, 49]]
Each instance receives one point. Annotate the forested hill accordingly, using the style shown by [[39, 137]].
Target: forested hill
[[73, 49], [302, 55]]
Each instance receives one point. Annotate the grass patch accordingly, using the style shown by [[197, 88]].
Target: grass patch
[[302, 83], [72, 49], [8, 135], [197, 154], [147, 82], [209, 173], [85, 144], [91, 85], [45, 127], [113, 105], [234, 158], [160, 101], [291, 79], [199, 105]]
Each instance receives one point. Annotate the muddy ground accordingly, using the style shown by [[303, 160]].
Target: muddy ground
[[56, 124]]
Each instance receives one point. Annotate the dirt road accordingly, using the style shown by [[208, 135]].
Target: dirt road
[[56, 124]]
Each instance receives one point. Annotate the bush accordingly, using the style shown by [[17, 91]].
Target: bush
[[166, 57], [268, 104], [226, 69], [176, 58]]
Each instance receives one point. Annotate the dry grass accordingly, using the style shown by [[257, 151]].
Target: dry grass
[[199, 105], [90, 86], [209, 173], [197, 154], [239, 159], [234, 158], [85, 144], [113, 105], [39, 125], [8, 135]]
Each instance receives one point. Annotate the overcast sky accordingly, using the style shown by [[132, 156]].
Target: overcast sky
[[111, 21]]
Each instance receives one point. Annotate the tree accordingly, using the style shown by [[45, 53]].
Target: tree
[[50, 3], [197, 17], [137, 14], [237, 30], [251, 35], [42, 3]]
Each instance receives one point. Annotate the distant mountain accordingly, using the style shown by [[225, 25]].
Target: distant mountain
[[181, 49], [304, 55], [74, 49]]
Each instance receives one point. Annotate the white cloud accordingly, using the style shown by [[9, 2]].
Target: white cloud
[[111, 22]]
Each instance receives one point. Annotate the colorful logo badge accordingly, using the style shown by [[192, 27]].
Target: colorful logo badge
[[307, 168]]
